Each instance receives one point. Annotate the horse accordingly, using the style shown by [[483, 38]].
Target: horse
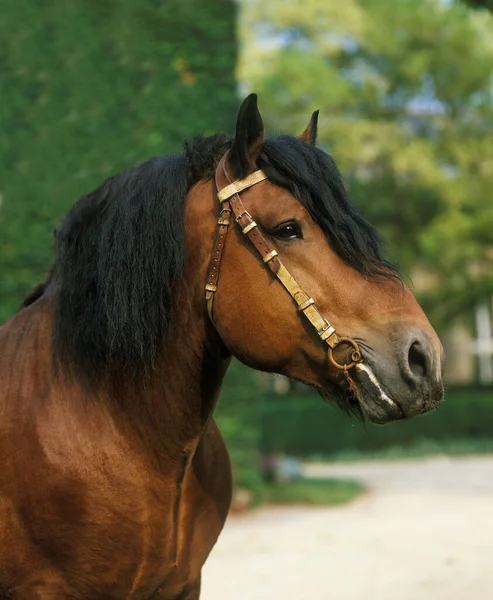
[[115, 481]]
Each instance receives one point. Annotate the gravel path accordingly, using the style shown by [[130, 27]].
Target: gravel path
[[424, 531]]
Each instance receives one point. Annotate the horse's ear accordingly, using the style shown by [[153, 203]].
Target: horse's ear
[[248, 140], [310, 133]]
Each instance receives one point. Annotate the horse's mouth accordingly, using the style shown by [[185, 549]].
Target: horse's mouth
[[376, 403]]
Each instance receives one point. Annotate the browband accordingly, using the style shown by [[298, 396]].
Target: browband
[[242, 184]]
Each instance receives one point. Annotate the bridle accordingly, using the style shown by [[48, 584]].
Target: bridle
[[228, 193]]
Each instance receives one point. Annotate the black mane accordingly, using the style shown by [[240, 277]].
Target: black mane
[[121, 250]]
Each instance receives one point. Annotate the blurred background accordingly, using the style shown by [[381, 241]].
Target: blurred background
[[405, 92]]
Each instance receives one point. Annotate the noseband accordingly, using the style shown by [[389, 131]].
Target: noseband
[[228, 194]]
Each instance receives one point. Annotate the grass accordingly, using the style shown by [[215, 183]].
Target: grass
[[315, 492]]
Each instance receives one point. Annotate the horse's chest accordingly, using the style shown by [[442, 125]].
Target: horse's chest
[[197, 517], [176, 542], [109, 533]]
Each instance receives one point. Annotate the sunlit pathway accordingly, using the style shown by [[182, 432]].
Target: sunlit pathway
[[423, 532]]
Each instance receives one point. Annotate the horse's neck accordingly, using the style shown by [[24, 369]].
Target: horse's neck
[[182, 394], [168, 417]]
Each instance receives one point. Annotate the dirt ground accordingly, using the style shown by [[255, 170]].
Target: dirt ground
[[423, 531]]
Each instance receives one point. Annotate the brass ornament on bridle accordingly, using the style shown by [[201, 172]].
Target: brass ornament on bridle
[[355, 354], [228, 194]]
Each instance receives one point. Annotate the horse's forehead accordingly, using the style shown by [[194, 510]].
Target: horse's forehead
[[270, 200]]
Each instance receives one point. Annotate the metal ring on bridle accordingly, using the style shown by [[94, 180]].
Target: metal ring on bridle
[[355, 355]]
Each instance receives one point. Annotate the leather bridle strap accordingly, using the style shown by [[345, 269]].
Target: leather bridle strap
[[228, 195]]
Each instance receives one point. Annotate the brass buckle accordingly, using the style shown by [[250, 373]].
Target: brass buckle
[[243, 212]]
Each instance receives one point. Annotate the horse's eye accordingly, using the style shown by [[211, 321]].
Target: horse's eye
[[288, 231]]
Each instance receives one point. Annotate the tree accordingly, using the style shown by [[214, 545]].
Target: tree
[[90, 87], [488, 4], [406, 105]]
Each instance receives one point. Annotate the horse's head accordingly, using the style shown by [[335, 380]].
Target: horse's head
[[302, 212]]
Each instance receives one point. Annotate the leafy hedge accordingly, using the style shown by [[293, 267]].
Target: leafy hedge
[[238, 418], [304, 425], [88, 88]]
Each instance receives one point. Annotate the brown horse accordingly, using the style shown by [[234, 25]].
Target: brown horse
[[114, 479]]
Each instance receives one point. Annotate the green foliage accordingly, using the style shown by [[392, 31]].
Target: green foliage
[[238, 416], [88, 88], [321, 492], [404, 90], [488, 4], [418, 448], [303, 425]]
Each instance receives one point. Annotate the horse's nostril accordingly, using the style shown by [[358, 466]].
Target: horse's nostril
[[417, 359]]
